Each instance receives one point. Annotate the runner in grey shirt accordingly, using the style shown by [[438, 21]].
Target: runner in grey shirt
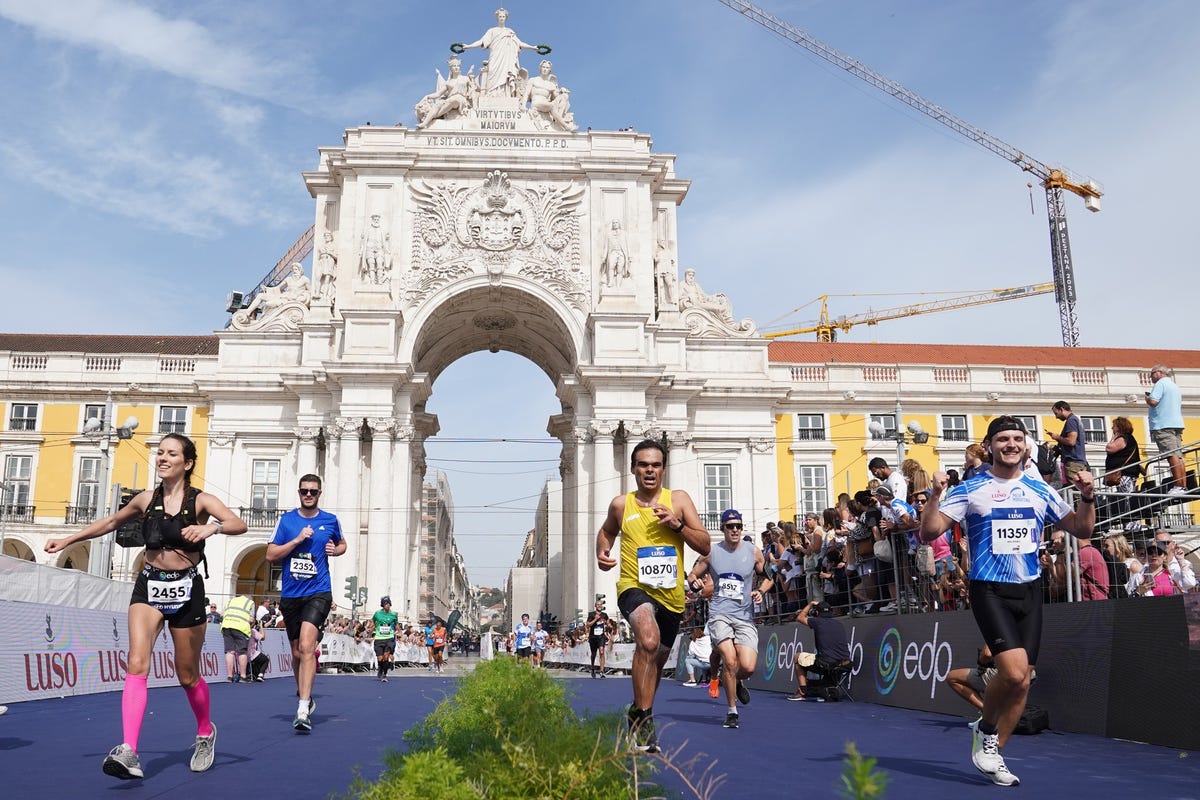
[[734, 564]]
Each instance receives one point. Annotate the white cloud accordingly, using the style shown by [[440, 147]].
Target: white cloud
[[176, 46]]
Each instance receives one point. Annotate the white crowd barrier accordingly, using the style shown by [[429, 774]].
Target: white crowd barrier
[[619, 656], [61, 651], [337, 648], [28, 582]]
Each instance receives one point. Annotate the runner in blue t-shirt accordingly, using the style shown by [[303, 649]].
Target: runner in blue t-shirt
[[304, 540], [524, 633], [1004, 512]]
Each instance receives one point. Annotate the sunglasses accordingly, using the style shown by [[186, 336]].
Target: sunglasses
[[733, 526], [309, 492]]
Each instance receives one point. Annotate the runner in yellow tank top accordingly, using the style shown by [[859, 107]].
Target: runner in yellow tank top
[[654, 524]]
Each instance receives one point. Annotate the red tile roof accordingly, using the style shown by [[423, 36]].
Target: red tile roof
[[83, 343], [961, 355]]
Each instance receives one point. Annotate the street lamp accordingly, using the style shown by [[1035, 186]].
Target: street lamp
[[901, 435], [101, 430]]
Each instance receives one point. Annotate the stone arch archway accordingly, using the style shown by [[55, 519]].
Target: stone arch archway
[[517, 316], [17, 548]]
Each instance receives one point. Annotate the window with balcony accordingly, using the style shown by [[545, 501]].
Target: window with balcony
[[18, 475], [718, 492], [810, 427], [1031, 425], [23, 417], [172, 419], [264, 493], [954, 428], [87, 493], [888, 421], [1094, 430], [814, 489]]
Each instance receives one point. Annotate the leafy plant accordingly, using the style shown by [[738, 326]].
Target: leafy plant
[[860, 780]]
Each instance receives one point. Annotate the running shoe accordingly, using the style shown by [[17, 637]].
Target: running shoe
[[714, 689], [985, 755], [974, 724], [383, 680], [890, 608], [689, 682], [743, 694], [302, 723], [205, 751], [312, 706], [731, 720], [641, 730], [122, 762], [797, 696]]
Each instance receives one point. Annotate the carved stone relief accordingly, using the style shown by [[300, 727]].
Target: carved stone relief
[[495, 228], [281, 307], [709, 315]]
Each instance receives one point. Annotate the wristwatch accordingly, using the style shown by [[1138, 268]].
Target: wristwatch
[[680, 528]]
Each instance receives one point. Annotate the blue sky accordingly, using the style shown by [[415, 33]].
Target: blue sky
[[151, 155]]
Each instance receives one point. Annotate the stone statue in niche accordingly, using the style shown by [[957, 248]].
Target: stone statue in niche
[[375, 263], [325, 268], [664, 273], [503, 71], [288, 300], [549, 102], [454, 96], [692, 296], [614, 269]]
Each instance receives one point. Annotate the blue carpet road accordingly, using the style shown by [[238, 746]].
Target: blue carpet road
[[54, 748]]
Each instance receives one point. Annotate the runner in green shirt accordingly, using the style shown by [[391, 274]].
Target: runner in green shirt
[[385, 636]]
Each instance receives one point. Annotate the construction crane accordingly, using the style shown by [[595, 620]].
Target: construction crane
[[826, 328], [1055, 180], [297, 252]]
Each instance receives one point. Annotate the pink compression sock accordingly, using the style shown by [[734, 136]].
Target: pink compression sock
[[198, 698], [133, 708]]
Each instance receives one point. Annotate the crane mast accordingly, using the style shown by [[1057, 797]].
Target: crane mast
[[1053, 180]]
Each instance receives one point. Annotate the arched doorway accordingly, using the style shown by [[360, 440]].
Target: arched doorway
[[18, 549]]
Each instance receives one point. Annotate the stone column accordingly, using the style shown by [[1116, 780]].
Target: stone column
[[306, 453], [762, 455], [218, 480], [343, 485], [380, 531], [578, 512], [607, 484], [404, 557]]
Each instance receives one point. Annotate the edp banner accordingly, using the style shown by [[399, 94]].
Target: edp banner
[[54, 651]]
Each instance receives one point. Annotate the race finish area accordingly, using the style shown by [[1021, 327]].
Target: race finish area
[[54, 748]]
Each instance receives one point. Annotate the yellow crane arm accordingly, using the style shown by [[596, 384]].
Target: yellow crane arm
[[826, 328]]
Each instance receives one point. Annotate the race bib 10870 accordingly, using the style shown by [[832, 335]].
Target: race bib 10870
[[658, 566]]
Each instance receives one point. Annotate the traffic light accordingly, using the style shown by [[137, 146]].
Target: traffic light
[[602, 600], [362, 595], [579, 616], [352, 588]]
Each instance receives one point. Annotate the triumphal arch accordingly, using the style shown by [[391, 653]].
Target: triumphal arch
[[490, 220]]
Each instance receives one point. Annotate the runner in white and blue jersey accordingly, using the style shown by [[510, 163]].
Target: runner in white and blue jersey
[[1004, 512]]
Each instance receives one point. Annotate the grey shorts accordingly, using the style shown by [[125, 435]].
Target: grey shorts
[[742, 632], [1167, 439]]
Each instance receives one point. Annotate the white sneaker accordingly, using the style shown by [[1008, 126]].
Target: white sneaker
[[890, 608], [985, 755], [1176, 490], [689, 682]]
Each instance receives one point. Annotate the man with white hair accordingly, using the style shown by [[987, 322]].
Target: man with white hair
[[1166, 422]]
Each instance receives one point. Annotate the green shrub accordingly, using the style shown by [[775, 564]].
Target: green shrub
[[508, 732]]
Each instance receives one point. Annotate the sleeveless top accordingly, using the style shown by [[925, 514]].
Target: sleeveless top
[[162, 531], [733, 576], [651, 554]]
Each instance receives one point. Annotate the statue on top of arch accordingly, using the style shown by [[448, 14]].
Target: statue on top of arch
[[501, 81]]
